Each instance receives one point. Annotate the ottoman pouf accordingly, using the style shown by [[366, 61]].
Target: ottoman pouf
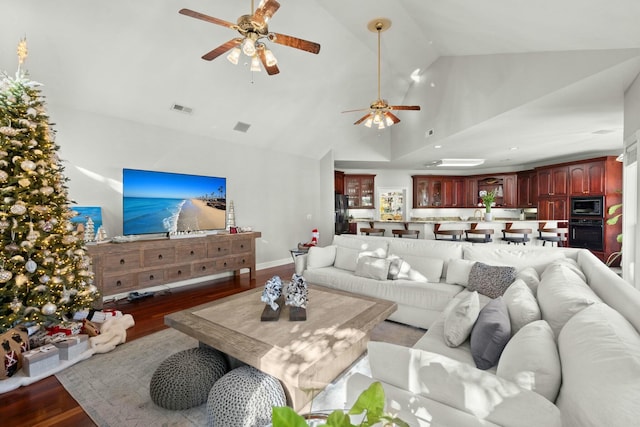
[[184, 379], [243, 398]]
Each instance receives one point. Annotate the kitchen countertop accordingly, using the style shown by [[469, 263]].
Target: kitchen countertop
[[444, 220]]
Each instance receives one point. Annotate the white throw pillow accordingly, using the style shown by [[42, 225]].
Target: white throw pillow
[[522, 305], [530, 359], [530, 277], [373, 267], [346, 258], [600, 353], [460, 319], [458, 271], [561, 294], [321, 257]]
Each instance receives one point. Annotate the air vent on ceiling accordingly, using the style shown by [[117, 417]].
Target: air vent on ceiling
[[182, 108], [242, 127]]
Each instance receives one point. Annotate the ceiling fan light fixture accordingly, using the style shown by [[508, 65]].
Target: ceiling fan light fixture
[[270, 58], [234, 56], [249, 46], [387, 120], [255, 63], [369, 121]]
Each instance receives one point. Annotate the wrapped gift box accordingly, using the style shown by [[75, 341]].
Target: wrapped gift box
[[40, 360], [71, 347]]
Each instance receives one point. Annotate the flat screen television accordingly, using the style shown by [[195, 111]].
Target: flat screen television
[[165, 202]]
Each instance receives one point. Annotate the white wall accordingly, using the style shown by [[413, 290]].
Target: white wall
[[275, 193]]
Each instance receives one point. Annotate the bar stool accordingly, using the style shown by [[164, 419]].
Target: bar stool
[[406, 233], [516, 235], [557, 235], [486, 232], [455, 234], [372, 231]]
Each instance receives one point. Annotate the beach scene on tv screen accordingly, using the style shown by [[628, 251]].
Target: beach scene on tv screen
[[163, 202]]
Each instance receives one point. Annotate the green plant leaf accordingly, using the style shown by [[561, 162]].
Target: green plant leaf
[[614, 208], [614, 219], [372, 401], [284, 416], [339, 419], [394, 421]]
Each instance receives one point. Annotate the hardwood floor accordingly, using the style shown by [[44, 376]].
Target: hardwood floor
[[47, 403]]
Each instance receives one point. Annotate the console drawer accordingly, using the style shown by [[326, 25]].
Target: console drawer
[[203, 268], [189, 253], [218, 249], [159, 256], [151, 278], [118, 283], [178, 272], [122, 261], [240, 246]]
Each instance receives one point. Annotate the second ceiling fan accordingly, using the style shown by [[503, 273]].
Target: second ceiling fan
[[254, 29], [380, 113]]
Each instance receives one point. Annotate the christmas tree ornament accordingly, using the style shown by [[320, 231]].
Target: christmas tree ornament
[[5, 275], [21, 280], [49, 309], [4, 224], [12, 247], [47, 226], [24, 182], [28, 166], [33, 235], [44, 279], [40, 288], [31, 266], [18, 209], [3, 176], [47, 191], [15, 305]]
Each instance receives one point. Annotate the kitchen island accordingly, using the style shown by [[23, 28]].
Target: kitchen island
[[428, 225]]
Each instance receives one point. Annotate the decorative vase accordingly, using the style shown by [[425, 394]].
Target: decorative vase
[[488, 216]]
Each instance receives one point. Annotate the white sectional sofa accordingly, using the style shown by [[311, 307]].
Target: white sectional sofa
[[570, 357]]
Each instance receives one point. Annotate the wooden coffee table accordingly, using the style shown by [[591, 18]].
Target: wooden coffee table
[[305, 356]]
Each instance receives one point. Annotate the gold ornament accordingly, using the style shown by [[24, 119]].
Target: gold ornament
[[49, 309], [3, 176], [28, 166], [5, 275], [24, 182]]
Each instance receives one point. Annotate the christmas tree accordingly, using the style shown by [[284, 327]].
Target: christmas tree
[[45, 273]]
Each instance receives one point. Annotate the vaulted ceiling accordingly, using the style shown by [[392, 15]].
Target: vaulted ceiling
[[518, 83]]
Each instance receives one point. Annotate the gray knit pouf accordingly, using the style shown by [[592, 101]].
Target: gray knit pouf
[[184, 379], [244, 398]]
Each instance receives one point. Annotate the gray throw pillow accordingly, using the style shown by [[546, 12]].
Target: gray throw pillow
[[490, 334], [490, 280]]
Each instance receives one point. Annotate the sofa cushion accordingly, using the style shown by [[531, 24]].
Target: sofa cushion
[[346, 258], [460, 319], [600, 353], [490, 334], [373, 267], [458, 271], [521, 304], [561, 294], [571, 264], [321, 257], [429, 268], [531, 277], [376, 244], [530, 359], [490, 280], [537, 258], [460, 386]]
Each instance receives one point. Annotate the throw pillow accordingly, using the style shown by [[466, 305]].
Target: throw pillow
[[460, 320], [490, 280], [530, 277], [458, 271], [346, 258], [490, 334], [531, 360], [397, 266], [372, 267], [521, 304], [321, 257]]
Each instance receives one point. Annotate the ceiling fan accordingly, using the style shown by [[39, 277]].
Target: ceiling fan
[[254, 30], [380, 111]]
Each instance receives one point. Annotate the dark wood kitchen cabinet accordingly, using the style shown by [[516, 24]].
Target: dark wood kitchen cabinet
[[360, 190], [553, 181], [527, 189], [338, 181], [587, 179], [438, 191], [553, 208]]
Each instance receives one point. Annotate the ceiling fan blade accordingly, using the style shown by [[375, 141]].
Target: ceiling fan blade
[[365, 117], [223, 48], [404, 107], [353, 111], [392, 116], [295, 42], [271, 70], [198, 15], [265, 12]]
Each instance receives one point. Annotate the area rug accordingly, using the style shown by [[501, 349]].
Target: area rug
[[113, 388]]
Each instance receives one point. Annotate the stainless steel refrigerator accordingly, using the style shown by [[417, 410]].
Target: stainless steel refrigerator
[[342, 214]]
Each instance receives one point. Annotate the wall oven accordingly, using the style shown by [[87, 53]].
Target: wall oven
[[586, 233], [587, 206]]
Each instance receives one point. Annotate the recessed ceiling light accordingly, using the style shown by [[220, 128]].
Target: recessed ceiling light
[[461, 162], [513, 148], [437, 146], [432, 84]]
